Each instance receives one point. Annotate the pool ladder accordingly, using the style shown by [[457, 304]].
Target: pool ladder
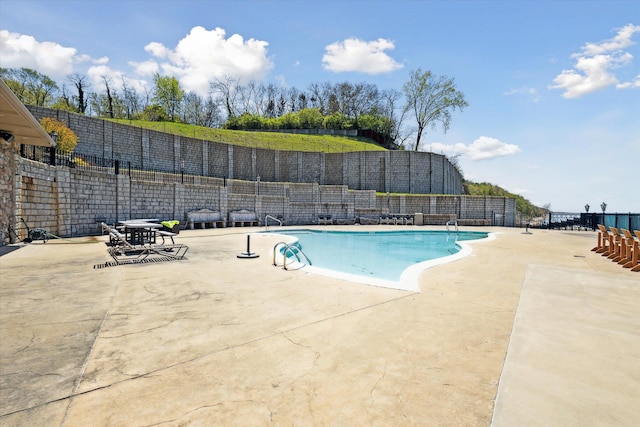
[[455, 222], [289, 248]]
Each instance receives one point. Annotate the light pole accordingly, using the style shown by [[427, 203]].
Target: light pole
[[603, 206], [586, 218], [52, 150]]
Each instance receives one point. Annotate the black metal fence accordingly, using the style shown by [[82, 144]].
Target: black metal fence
[[569, 220], [51, 157]]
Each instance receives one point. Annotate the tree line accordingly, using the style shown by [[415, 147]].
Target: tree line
[[400, 116]]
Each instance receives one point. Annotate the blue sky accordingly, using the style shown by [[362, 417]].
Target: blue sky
[[553, 86]]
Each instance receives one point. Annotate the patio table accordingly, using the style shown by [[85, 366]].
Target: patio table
[[140, 233]]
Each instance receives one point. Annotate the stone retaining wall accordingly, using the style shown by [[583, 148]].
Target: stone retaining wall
[[71, 202], [384, 171]]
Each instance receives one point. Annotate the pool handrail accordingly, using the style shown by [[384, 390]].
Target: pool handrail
[[455, 221], [289, 247], [266, 222]]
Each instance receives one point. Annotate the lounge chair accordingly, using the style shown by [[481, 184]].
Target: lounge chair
[[123, 252]]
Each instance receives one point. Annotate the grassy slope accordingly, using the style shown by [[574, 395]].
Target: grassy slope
[[485, 189], [269, 140]]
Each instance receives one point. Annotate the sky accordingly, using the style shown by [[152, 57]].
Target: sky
[[553, 86]]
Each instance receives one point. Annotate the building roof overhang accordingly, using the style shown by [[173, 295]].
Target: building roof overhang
[[17, 123]]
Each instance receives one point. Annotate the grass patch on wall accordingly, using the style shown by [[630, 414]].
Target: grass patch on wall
[[268, 140]]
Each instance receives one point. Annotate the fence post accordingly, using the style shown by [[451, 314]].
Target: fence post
[[52, 156], [117, 167]]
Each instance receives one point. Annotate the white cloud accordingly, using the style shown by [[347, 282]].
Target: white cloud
[[157, 49], [531, 92], [594, 66], [358, 55], [482, 148], [620, 41], [146, 68], [103, 60], [22, 51], [632, 84], [203, 56]]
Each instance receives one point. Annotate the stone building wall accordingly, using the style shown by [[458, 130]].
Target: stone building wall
[[8, 152]]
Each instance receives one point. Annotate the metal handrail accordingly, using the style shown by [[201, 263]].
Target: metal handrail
[[456, 224], [275, 247], [289, 248], [266, 223]]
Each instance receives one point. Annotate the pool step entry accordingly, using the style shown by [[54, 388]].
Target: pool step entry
[[291, 248]]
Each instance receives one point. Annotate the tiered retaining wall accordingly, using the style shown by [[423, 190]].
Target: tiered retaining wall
[[384, 171], [71, 201]]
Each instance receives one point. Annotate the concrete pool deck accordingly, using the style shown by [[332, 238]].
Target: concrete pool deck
[[534, 325]]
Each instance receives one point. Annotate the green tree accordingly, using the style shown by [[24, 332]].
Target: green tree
[[30, 86], [168, 95], [430, 100], [310, 118], [337, 121], [154, 113], [289, 121]]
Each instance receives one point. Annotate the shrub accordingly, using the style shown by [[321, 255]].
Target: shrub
[[67, 139]]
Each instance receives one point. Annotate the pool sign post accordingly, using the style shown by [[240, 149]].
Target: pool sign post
[[248, 254]]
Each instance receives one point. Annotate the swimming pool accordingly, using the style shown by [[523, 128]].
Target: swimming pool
[[383, 258]]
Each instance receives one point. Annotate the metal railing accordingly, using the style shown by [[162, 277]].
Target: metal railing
[[291, 248], [268, 217]]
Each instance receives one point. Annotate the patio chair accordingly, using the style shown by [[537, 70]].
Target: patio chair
[[603, 240], [626, 246], [634, 264], [123, 252], [616, 245], [603, 246]]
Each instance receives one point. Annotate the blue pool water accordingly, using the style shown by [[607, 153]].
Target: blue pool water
[[378, 254]]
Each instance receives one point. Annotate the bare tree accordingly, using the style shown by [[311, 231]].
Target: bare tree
[[132, 104], [109, 97], [80, 82], [227, 89]]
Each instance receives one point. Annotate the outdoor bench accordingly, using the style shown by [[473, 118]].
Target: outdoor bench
[[325, 219], [243, 217], [204, 218]]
